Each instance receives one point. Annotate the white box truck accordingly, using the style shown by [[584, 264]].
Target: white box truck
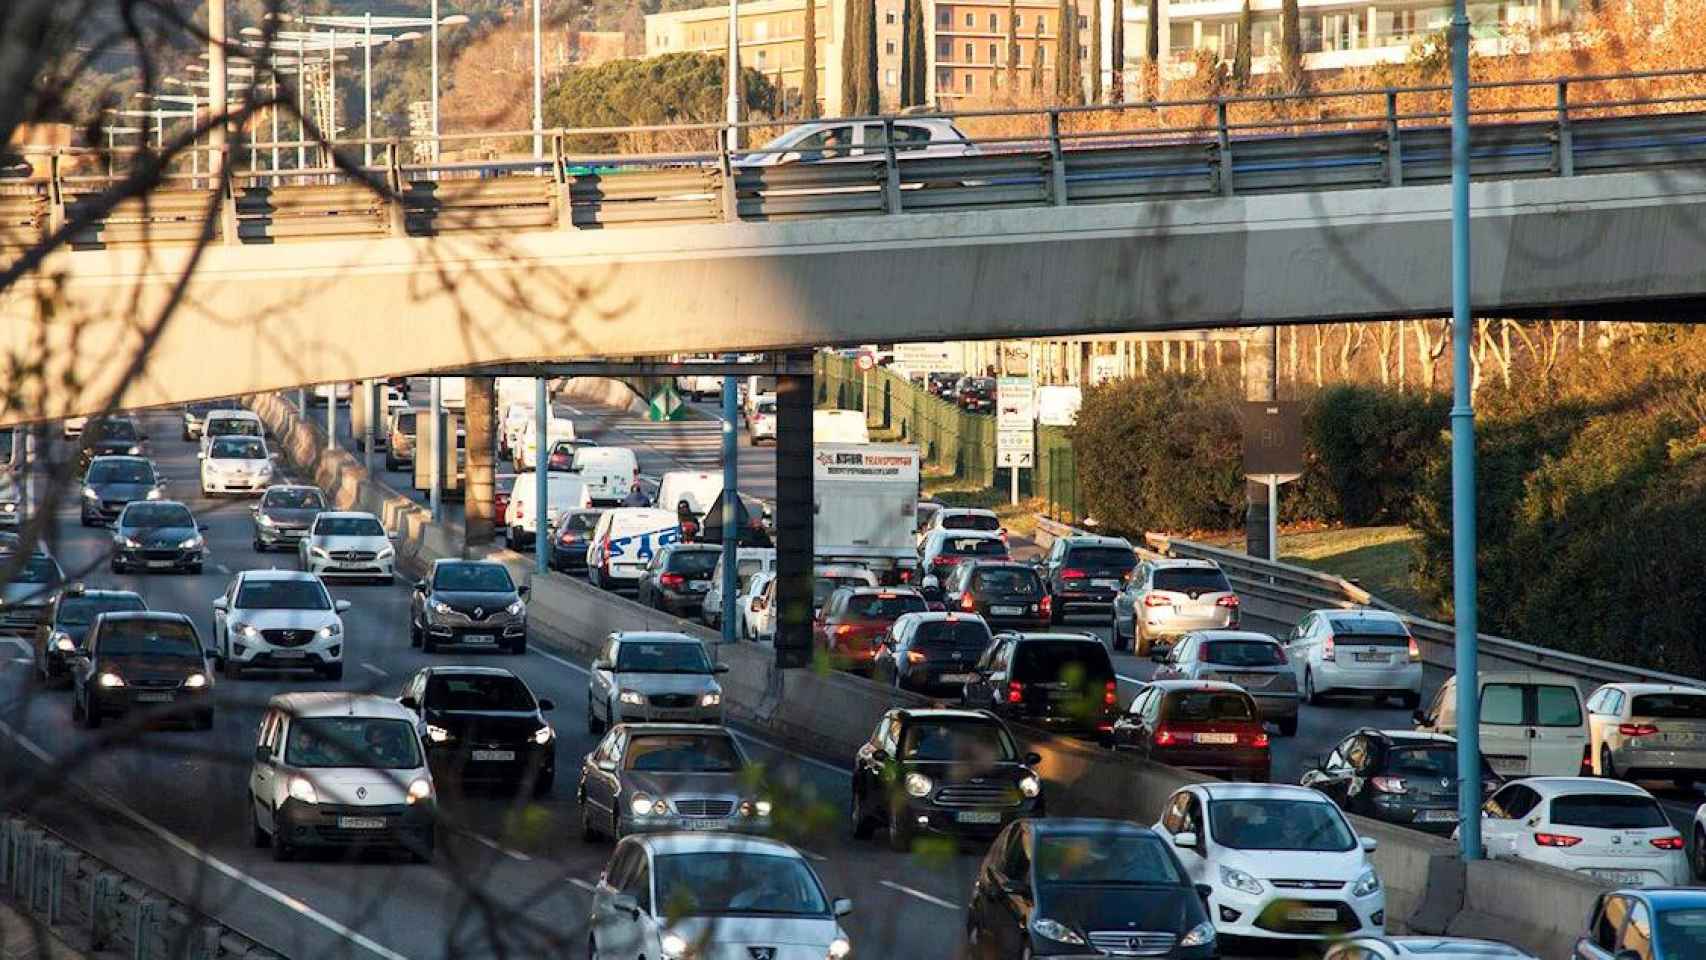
[[865, 496]]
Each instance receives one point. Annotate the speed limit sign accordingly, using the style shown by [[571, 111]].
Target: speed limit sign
[[866, 361]]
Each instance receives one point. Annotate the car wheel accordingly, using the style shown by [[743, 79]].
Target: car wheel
[[519, 647], [1287, 726], [543, 784], [91, 716], [863, 827], [414, 633], [1311, 696], [1699, 858], [1607, 769], [258, 838], [334, 673], [900, 835], [282, 851]]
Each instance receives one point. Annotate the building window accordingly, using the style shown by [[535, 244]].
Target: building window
[[970, 82], [888, 47], [969, 57], [888, 17], [944, 48], [761, 57], [888, 78], [992, 58], [761, 29], [994, 22], [1042, 56], [970, 19], [1083, 22], [944, 79], [945, 18]]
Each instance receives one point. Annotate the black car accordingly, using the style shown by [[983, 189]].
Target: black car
[[195, 416], [284, 514], [111, 437], [483, 725], [1399, 776], [941, 384], [1003, 594], [954, 773], [676, 579], [472, 603], [976, 395], [67, 625], [1086, 573], [569, 539], [157, 535], [932, 652], [1086, 888], [27, 597], [146, 660], [1059, 681], [113, 483]]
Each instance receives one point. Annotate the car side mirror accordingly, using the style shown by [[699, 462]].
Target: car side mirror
[[341, 606], [409, 701], [842, 906], [720, 668], [1185, 841], [1033, 758], [219, 603], [420, 586], [1204, 891], [626, 904], [201, 527], [546, 704], [263, 754], [1369, 844], [393, 535], [601, 664], [1420, 717]]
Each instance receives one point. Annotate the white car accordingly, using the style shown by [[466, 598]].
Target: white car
[[1614, 832], [750, 561], [713, 895], [236, 465], [611, 473], [348, 544], [1648, 731], [761, 426], [518, 419], [563, 491], [1423, 948], [71, 428], [229, 423], [527, 450], [623, 543], [1533, 724], [962, 520], [278, 619], [1282, 862], [754, 611], [1361, 652], [340, 770], [855, 141]]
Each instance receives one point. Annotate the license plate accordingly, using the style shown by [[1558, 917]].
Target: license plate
[[475, 639], [1007, 611], [699, 586], [1218, 738], [1059, 694], [1312, 914], [160, 564], [289, 655], [1104, 583], [1371, 658], [977, 816], [703, 823], [1680, 739], [1508, 764], [958, 677], [161, 696], [1439, 816], [361, 823], [1618, 876], [494, 755]]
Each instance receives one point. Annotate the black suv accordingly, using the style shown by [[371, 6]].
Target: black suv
[[1399, 776], [1086, 573], [60, 638], [1060, 681], [955, 773], [111, 437], [483, 725], [146, 660], [677, 578], [472, 603], [1003, 594]]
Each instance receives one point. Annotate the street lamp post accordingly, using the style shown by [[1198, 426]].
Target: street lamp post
[[733, 69], [538, 89], [435, 81]]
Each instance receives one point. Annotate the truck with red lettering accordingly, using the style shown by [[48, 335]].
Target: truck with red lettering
[[866, 498]]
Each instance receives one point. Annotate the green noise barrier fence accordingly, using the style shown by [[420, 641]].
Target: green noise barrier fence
[[951, 440]]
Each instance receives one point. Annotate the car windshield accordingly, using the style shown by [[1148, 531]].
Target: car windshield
[[37, 569], [82, 611], [365, 742], [479, 691], [1007, 580], [883, 606], [682, 753], [1273, 823], [294, 498], [1192, 580], [292, 594], [405, 423], [960, 741], [348, 527], [116, 430], [662, 656], [1207, 706], [149, 637], [719, 882], [970, 521], [961, 633], [149, 516], [237, 448], [1050, 661], [1682, 934], [233, 427], [472, 578], [694, 563], [1117, 558], [120, 471], [1244, 653], [973, 547], [1429, 761], [766, 406], [1104, 859], [1608, 811], [1670, 706], [580, 521]]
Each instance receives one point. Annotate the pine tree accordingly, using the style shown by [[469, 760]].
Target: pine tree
[[1012, 50], [915, 41], [906, 14], [1291, 49], [1241, 50], [1152, 50], [1095, 51], [808, 82], [1116, 54], [850, 58], [870, 94], [1062, 49], [1037, 61]]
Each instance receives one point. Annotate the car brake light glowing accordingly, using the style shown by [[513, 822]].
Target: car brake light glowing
[[1165, 737], [1260, 740], [1015, 692], [906, 576], [1046, 605], [568, 536], [1637, 729], [968, 602], [1072, 573], [1389, 784], [1227, 601], [1556, 840], [913, 656], [844, 629], [1110, 694], [1329, 650], [673, 580], [1415, 651], [1151, 600], [1668, 843]]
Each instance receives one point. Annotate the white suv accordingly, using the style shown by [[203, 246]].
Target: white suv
[[348, 543], [236, 464], [278, 619], [1282, 862]]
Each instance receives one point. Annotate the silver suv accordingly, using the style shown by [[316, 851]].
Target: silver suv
[[1167, 599], [643, 675]]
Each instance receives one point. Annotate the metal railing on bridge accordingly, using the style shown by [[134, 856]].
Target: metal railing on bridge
[[597, 178]]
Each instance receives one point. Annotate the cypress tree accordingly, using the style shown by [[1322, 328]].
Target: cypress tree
[[1241, 50], [1037, 61], [906, 15], [849, 58], [1095, 51], [1012, 50], [915, 42], [1291, 50], [808, 83], [1062, 49], [1116, 54], [870, 94]]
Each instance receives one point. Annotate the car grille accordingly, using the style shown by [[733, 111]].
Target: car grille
[[1308, 884], [352, 556], [977, 795], [674, 701], [704, 807], [154, 553], [287, 638], [1275, 918], [485, 613], [1122, 943]]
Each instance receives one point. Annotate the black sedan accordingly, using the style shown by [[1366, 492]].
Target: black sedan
[[59, 639], [569, 539], [472, 603], [113, 482], [284, 514], [1050, 888], [147, 660], [483, 725], [157, 535], [112, 437], [1399, 776], [26, 598]]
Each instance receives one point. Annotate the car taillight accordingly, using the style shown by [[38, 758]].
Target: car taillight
[[1389, 784], [1637, 729], [844, 629], [1110, 694], [1165, 737], [1259, 740], [1585, 768], [1151, 600], [1415, 651], [674, 581], [1227, 601], [1556, 840], [1046, 606], [1329, 650], [1071, 573], [1015, 691], [947, 559], [906, 576], [568, 537], [913, 656], [1668, 843], [968, 602]]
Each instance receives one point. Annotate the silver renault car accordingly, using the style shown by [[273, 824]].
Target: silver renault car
[[644, 675], [650, 777]]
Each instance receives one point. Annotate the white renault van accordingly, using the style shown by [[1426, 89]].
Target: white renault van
[[623, 543], [611, 473], [700, 488], [563, 491], [1533, 724]]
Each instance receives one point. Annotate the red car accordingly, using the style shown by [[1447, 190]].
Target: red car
[[502, 488], [1203, 725], [852, 623]]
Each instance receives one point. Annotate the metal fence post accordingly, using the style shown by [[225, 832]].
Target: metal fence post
[[1056, 163], [55, 194], [1394, 142], [725, 167], [227, 188], [1566, 140], [1223, 140], [891, 170], [560, 177], [394, 182]]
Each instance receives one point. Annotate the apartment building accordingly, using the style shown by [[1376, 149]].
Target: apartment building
[[968, 47]]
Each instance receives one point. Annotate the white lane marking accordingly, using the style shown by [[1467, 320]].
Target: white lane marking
[[588, 887], [938, 901], [374, 670], [1127, 679], [556, 659], [506, 851], [222, 568], [196, 853]]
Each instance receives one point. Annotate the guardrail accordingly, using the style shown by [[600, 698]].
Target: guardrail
[[1558, 127], [61, 886]]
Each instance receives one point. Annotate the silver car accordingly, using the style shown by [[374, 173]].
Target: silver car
[[1648, 731], [1254, 661], [1166, 599], [643, 675], [649, 777]]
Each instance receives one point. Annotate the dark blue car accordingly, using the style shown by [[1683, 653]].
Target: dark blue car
[[1655, 923]]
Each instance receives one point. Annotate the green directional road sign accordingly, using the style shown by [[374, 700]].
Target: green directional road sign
[[665, 404]]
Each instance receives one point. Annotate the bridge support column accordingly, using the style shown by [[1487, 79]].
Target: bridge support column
[[1261, 367], [795, 513], [477, 506]]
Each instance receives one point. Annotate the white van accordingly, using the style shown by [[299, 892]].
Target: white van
[[228, 423], [1533, 724], [700, 488], [453, 393], [611, 473], [527, 451], [563, 491], [840, 426], [623, 543], [510, 390], [518, 419]]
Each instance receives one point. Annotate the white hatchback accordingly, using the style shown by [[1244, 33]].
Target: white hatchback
[[1614, 832], [348, 544], [236, 464], [1363, 652]]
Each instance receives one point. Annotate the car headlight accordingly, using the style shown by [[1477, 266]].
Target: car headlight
[[63, 643], [633, 697], [1239, 880], [196, 681], [839, 949], [385, 553], [516, 609], [1202, 933], [265, 467], [135, 449], [319, 552], [301, 789], [544, 735], [439, 606], [110, 680], [1030, 786], [90, 494], [437, 734], [673, 945], [189, 543], [644, 806], [1367, 885], [419, 792], [1055, 930], [129, 543], [248, 631], [331, 630], [918, 785], [155, 493], [710, 699]]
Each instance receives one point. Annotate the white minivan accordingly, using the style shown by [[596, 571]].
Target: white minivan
[[840, 426], [563, 491], [1533, 724], [699, 488], [623, 543], [527, 451], [611, 473]]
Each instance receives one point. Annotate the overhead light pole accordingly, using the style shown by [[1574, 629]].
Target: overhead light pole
[[538, 89]]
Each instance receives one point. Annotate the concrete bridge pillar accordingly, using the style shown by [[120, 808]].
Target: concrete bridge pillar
[[479, 514]]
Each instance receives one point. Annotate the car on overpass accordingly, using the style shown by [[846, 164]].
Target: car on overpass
[[853, 141], [278, 619], [1613, 832], [468, 603], [1650, 924], [1424, 948], [483, 726], [657, 777], [1648, 731]]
